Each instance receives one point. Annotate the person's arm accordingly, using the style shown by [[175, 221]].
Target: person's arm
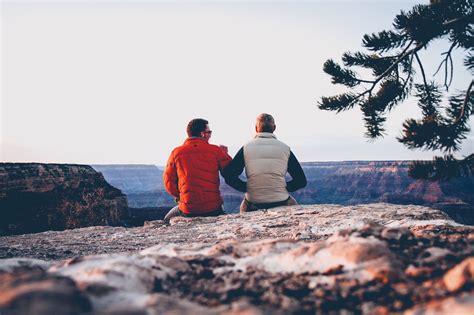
[[170, 177], [233, 170], [298, 178], [223, 158]]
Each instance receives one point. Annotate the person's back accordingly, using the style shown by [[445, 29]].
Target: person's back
[[192, 173], [197, 165], [266, 161], [266, 165]]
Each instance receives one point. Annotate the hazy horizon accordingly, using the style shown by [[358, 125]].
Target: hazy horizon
[[162, 166], [116, 82]]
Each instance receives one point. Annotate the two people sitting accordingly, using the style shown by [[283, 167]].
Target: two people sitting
[[192, 171]]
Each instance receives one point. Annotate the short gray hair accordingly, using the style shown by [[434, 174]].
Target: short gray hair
[[265, 123]]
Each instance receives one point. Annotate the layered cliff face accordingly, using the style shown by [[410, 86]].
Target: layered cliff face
[[36, 197], [365, 259], [354, 182], [349, 182]]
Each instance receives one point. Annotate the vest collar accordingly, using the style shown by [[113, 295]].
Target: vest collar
[[265, 135]]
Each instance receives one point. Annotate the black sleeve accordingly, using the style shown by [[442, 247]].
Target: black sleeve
[[233, 170], [298, 178]]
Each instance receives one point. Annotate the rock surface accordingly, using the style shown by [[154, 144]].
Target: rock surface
[[36, 197], [370, 259]]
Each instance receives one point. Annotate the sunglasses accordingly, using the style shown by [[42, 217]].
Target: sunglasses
[[208, 131]]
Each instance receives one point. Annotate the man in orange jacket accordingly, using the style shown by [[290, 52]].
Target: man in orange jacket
[[192, 173]]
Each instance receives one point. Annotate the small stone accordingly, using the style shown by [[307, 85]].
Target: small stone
[[434, 254], [395, 234], [401, 288], [418, 272], [460, 275]]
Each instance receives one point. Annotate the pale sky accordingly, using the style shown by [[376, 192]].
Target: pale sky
[[116, 82]]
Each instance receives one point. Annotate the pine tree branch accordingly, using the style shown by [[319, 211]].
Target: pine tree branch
[[422, 71], [442, 168], [445, 62], [452, 72], [364, 81], [466, 100], [401, 56], [452, 22], [409, 73]]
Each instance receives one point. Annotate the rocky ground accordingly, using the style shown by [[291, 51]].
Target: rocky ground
[[367, 259]]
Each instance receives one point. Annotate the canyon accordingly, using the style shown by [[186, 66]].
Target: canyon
[[35, 197], [344, 183], [69, 246]]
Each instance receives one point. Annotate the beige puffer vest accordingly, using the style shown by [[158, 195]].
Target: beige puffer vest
[[266, 164]]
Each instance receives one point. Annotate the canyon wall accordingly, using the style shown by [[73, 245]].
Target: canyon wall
[[345, 183], [37, 197], [355, 182]]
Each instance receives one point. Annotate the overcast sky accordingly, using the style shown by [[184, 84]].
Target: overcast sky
[[116, 82]]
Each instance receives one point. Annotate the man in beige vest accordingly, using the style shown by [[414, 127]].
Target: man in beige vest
[[266, 161]]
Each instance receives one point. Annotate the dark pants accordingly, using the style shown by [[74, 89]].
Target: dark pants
[[247, 206], [175, 212]]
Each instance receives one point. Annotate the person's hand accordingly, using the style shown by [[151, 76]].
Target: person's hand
[[224, 148]]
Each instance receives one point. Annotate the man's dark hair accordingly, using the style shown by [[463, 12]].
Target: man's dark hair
[[196, 126]]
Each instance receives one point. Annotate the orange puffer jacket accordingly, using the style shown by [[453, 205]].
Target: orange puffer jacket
[[192, 175]]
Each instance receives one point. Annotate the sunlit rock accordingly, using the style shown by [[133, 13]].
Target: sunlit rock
[[369, 259]]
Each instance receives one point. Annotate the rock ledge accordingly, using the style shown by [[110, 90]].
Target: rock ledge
[[369, 259]]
